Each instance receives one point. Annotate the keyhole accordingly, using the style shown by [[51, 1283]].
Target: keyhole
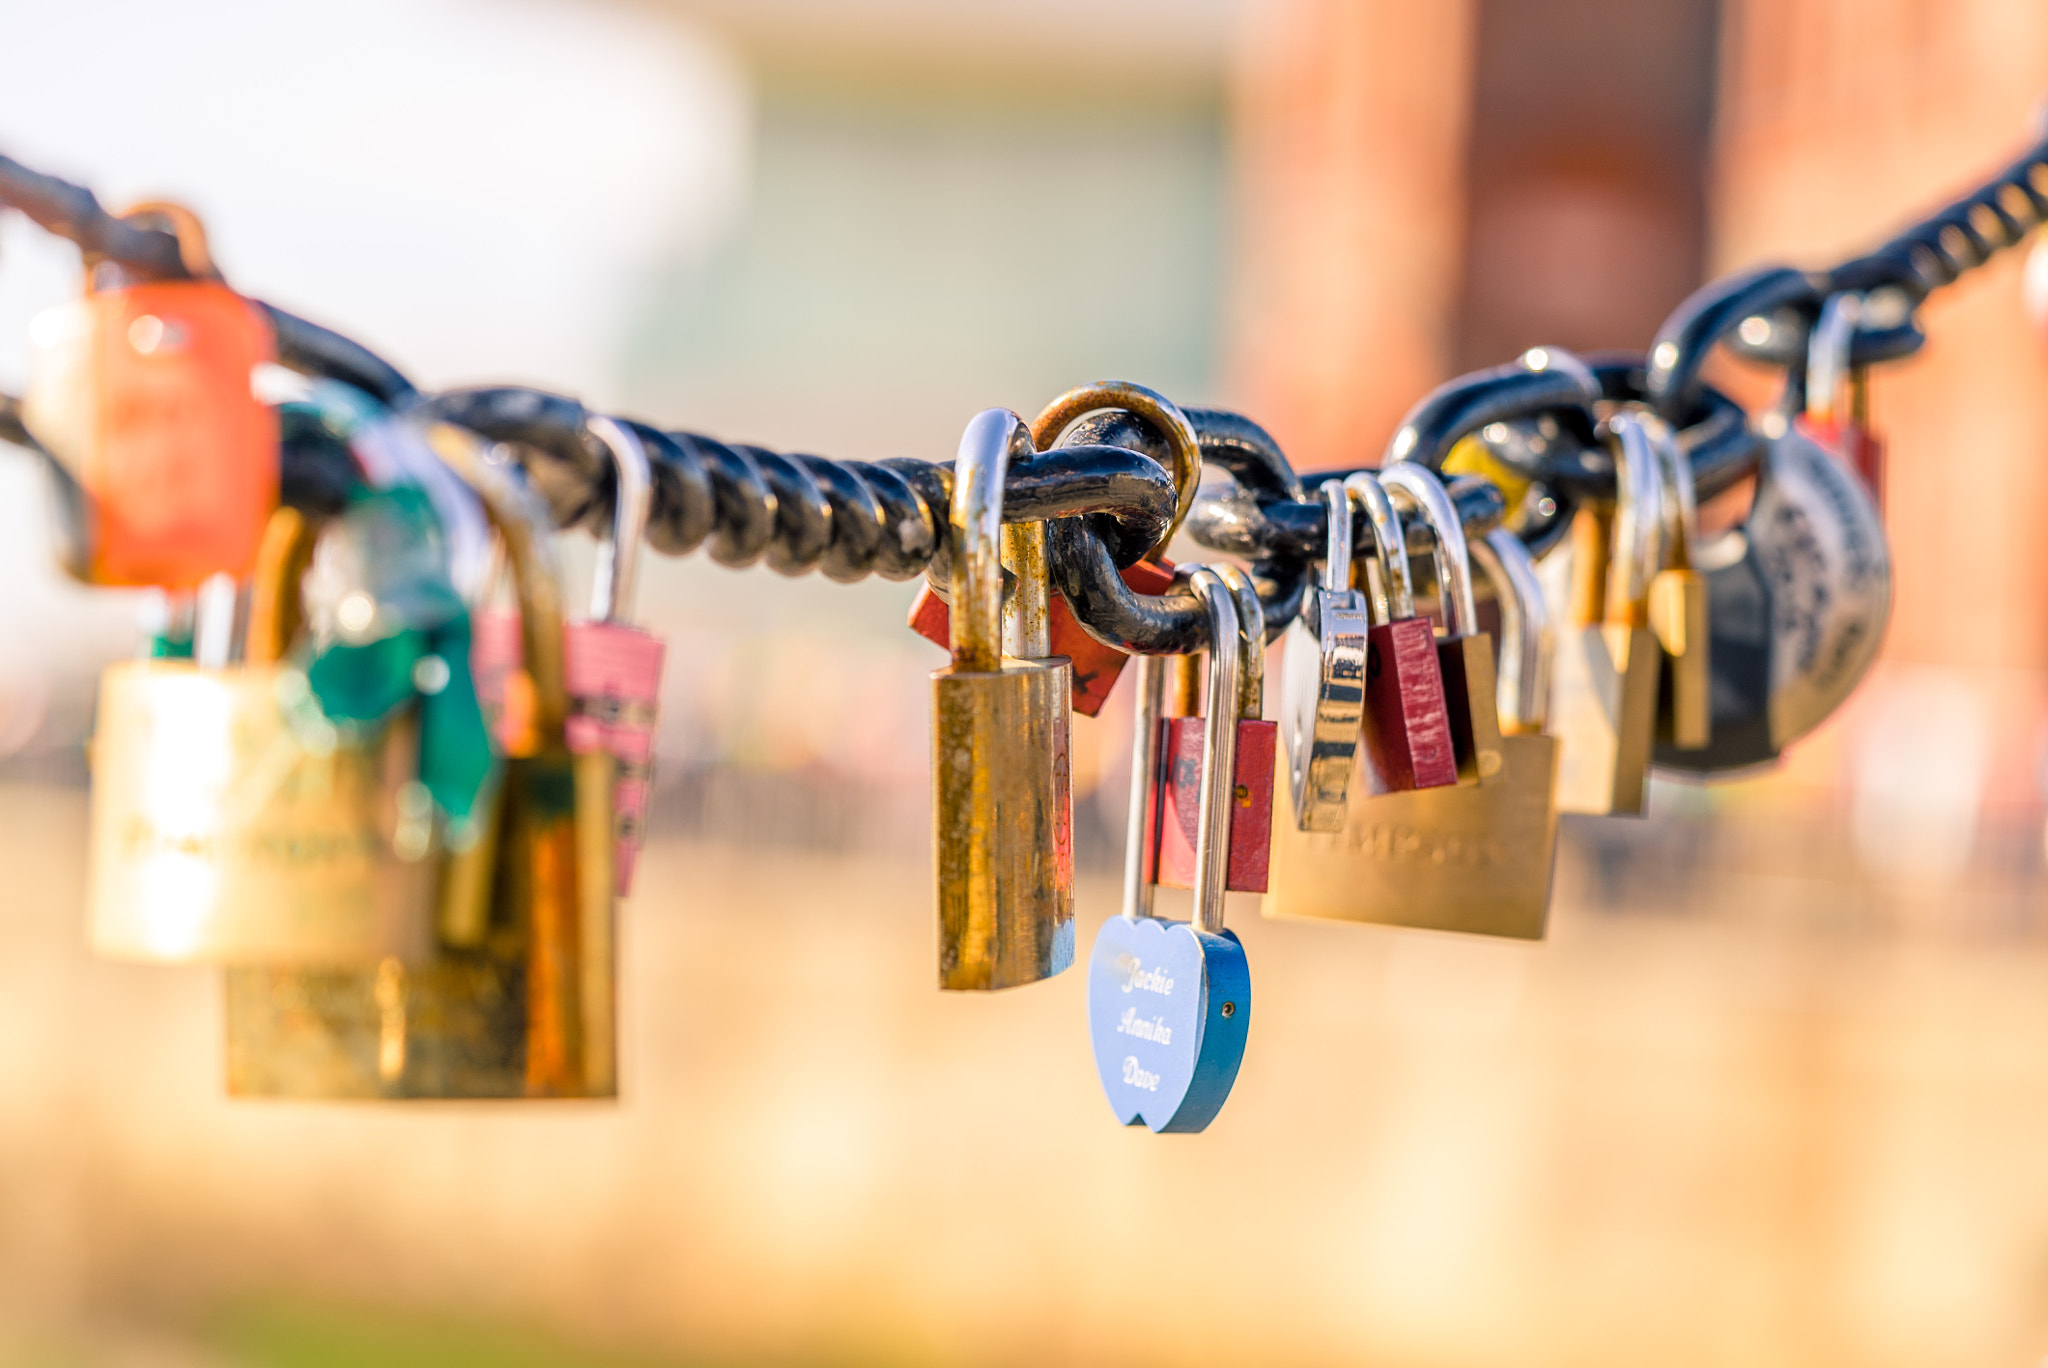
[[1244, 795], [1230, 1009]]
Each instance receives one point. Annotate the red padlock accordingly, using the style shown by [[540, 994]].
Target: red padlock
[[1837, 420], [612, 669], [1409, 742], [142, 394], [1096, 666], [1178, 777]]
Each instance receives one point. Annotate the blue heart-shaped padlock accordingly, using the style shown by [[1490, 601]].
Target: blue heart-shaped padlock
[[1168, 1006]]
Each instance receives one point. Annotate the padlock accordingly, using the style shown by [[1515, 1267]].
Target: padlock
[[141, 394], [614, 669], [1678, 607], [1323, 679], [1840, 422], [1183, 748], [520, 1005], [1464, 652], [229, 821], [1472, 857], [1407, 723], [1002, 799], [1169, 1003], [1607, 663], [1096, 665]]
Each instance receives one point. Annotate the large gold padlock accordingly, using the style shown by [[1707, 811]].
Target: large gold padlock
[[1472, 857], [515, 995], [1607, 662], [231, 823], [1002, 802]]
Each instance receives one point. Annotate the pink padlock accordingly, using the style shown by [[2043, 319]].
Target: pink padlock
[[613, 669]]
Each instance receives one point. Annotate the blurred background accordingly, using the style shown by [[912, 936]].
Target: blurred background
[[1772, 1091]]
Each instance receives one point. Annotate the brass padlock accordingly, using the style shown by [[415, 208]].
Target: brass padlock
[[1678, 608], [1474, 858], [1002, 800], [515, 996], [1607, 662], [230, 822], [1464, 652]]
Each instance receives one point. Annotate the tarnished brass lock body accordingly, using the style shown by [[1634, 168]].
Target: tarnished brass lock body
[[1605, 672], [1471, 857], [1002, 798], [515, 994]]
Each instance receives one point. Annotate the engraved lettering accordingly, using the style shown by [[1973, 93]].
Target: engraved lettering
[[1138, 979], [1156, 1030], [1139, 1077]]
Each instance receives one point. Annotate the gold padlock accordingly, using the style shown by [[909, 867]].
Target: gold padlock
[[1473, 857], [1606, 665], [1678, 609], [1002, 802], [229, 825], [515, 996]]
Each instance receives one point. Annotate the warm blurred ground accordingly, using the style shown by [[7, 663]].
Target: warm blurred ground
[[1730, 1113]]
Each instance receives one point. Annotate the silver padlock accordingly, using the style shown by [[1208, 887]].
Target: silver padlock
[[1323, 680]]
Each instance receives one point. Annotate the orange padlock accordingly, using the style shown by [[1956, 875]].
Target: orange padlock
[[142, 393]]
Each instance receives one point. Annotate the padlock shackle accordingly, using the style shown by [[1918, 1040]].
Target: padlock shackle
[[1828, 354], [1638, 521], [1219, 748], [1681, 499], [1337, 538], [618, 559], [1390, 546], [1453, 556], [1147, 403], [193, 253], [992, 437], [523, 532], [1251, 641], [1150, 685], [1524, 679]]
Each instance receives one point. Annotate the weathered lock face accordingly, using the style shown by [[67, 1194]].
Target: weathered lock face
[[1475, 858], [1002, 798], [1798, 598]]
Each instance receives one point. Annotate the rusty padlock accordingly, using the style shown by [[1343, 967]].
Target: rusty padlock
[[1409, 742], [142, 395], [1464, 652], [1181, 750], [1095, 665]]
